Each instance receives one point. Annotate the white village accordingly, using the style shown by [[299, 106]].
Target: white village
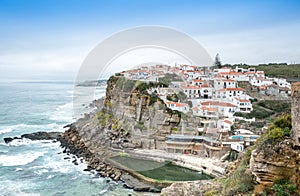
[[214, 96]]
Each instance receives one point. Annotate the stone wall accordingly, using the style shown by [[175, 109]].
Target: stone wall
[[296, 113]]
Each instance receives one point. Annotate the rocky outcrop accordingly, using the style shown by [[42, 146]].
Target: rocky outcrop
[[272, 162], [36, 136], [195, 188], [296, 113], [128, 118], [277, 162]]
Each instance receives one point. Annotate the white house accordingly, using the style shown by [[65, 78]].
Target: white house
[[281, 82], [182, 107], [220, 83], [206, 91], [225, 109], [197, 82], [191, 91], [228, 93], [243, 105], [260, 81]]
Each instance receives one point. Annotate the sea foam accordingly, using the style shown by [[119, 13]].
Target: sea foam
[[6, 130], [19, 159]]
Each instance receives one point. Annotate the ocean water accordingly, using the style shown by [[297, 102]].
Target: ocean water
[[39, 167]]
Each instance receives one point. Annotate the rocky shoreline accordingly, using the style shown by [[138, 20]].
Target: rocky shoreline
[[72, 144]]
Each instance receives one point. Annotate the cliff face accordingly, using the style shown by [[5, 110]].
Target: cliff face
[[296, 113], [128, 118], [271, 163]]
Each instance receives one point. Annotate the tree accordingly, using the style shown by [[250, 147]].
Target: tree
[[217, 62]]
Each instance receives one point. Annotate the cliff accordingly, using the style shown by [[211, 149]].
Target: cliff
[[296, 113], [128, 118], [273, 162]]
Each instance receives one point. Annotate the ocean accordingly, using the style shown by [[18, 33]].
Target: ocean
[[39, 167]]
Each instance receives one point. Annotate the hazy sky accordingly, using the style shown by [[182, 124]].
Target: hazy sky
[[49, 39]]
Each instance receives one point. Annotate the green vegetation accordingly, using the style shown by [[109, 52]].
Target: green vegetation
[[284, 188], [276, 105], [172, 97], [181, 96], [168, 78], [103, 117], [266, 108], [275, 69], [143, 86], [258, 112], [140, 126], [280, 129]]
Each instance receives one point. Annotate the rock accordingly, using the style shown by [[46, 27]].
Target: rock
[[135, 184], [193, 188], [42, 135], [8, 139], [67, 126]]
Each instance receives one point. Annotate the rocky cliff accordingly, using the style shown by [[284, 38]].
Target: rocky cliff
[[128, 118], [296, 113], [271, 163]]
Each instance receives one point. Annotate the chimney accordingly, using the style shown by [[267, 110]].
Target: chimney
[[296, 113]]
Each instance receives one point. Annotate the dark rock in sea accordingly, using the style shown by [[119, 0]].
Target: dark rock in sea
[[67, 126], [8, 139], [87, 169], [42, 135]]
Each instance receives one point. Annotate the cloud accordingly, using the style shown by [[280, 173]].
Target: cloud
[[273, 44]]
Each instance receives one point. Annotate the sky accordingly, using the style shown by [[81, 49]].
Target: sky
[[49, 39]]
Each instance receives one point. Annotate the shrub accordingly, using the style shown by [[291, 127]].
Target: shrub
[[284, 188]]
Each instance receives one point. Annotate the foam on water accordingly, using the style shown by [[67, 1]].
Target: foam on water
[[19, 159], [11, 188], [6, 130], [25, 141], [63, 113]]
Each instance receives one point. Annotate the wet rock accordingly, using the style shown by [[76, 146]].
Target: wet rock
[[8, 139], [42, 135]]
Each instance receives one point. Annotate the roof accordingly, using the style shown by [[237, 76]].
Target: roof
[[230, 89], [228, 122], [198, 80], [177, 104], [209, 109], [190, 87], [242, 100], [218, 103]]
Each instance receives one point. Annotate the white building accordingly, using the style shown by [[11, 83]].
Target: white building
[[228, 93], [260, 81], [220, 83], [182, 107], [243, 105]]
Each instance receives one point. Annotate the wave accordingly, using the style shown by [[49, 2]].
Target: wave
[[6, 130], [63, 113], [25, 141], [19, 129], [19, 159], [16, 187]]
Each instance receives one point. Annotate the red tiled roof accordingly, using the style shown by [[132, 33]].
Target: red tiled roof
[[218, 103], [228, 122]]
